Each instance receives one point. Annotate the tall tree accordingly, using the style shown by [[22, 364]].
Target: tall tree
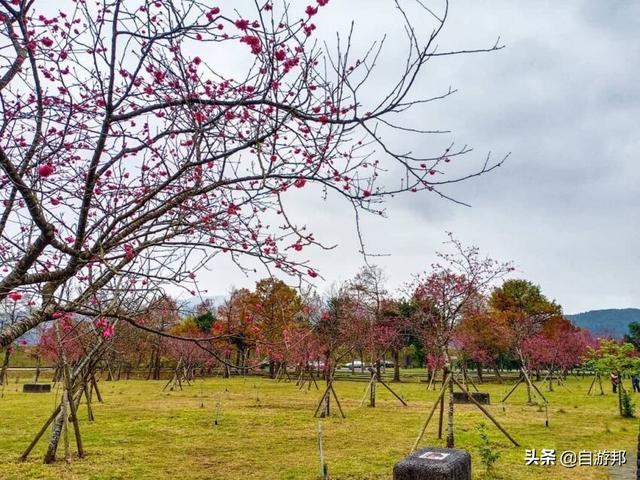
[[454, 288], [521, 305], [130, 157], [279, 307], [633, 336], [236, 319]]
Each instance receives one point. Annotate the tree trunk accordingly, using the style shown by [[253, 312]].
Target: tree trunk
[[35, 380], [225, 366], [479, 370], [372, 391], [4, 377], [450, 436], [638, 458], [156, 364], [620, 393], [396, 365], [528, 392], [498, 376], [50, 456]]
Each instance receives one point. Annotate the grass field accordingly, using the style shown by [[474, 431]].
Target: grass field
[[266, 431]]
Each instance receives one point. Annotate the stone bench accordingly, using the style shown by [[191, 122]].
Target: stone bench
[[434, 464], [36, 388], [462, 397]]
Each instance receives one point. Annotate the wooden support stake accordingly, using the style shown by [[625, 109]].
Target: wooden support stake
[[441, 418], [486, 412], [72, 409], [431, 412], [393, 393], [337, 401], [513, 389]]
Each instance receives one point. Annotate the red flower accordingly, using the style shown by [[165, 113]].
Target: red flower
[[129, 252], [300, 182], [15, 296], [311, 11], [312, 273], [281, 55], [242, 24], [212, 13], [253, 42], [197, 60], [45, 170], [322, 3], [47, 42], [308, 29], [199, 117], [366, 193], [108, 331]]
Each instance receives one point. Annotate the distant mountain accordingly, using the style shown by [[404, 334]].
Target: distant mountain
[[610, 322]]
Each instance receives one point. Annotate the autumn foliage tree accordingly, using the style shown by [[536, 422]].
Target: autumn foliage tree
[[525, 311], [236, 319], [278, 311], [130, 157]]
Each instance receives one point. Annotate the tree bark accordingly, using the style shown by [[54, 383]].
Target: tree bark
[[4, 378], [498, 376], [450, 435], [372, 391], [35, 380], [50, 456], [396, 365], [620, 393]]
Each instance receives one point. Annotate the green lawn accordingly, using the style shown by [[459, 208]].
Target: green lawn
[[267, 431]]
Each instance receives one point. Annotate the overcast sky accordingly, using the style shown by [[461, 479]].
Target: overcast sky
[[562, 98]]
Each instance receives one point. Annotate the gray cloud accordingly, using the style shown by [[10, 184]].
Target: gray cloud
[[563, 99]]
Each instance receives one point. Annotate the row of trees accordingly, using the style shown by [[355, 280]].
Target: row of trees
[[460, 313]]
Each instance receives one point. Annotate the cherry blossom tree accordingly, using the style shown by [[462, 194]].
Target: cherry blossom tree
[[130, 157], [481, 337], [455, 287], [558, 347]]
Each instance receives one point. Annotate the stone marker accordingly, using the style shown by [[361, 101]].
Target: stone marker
[[36, 387], [462, 397], [434, 464]]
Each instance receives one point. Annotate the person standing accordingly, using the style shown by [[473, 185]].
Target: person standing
[[614, 382], [635, 382]]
